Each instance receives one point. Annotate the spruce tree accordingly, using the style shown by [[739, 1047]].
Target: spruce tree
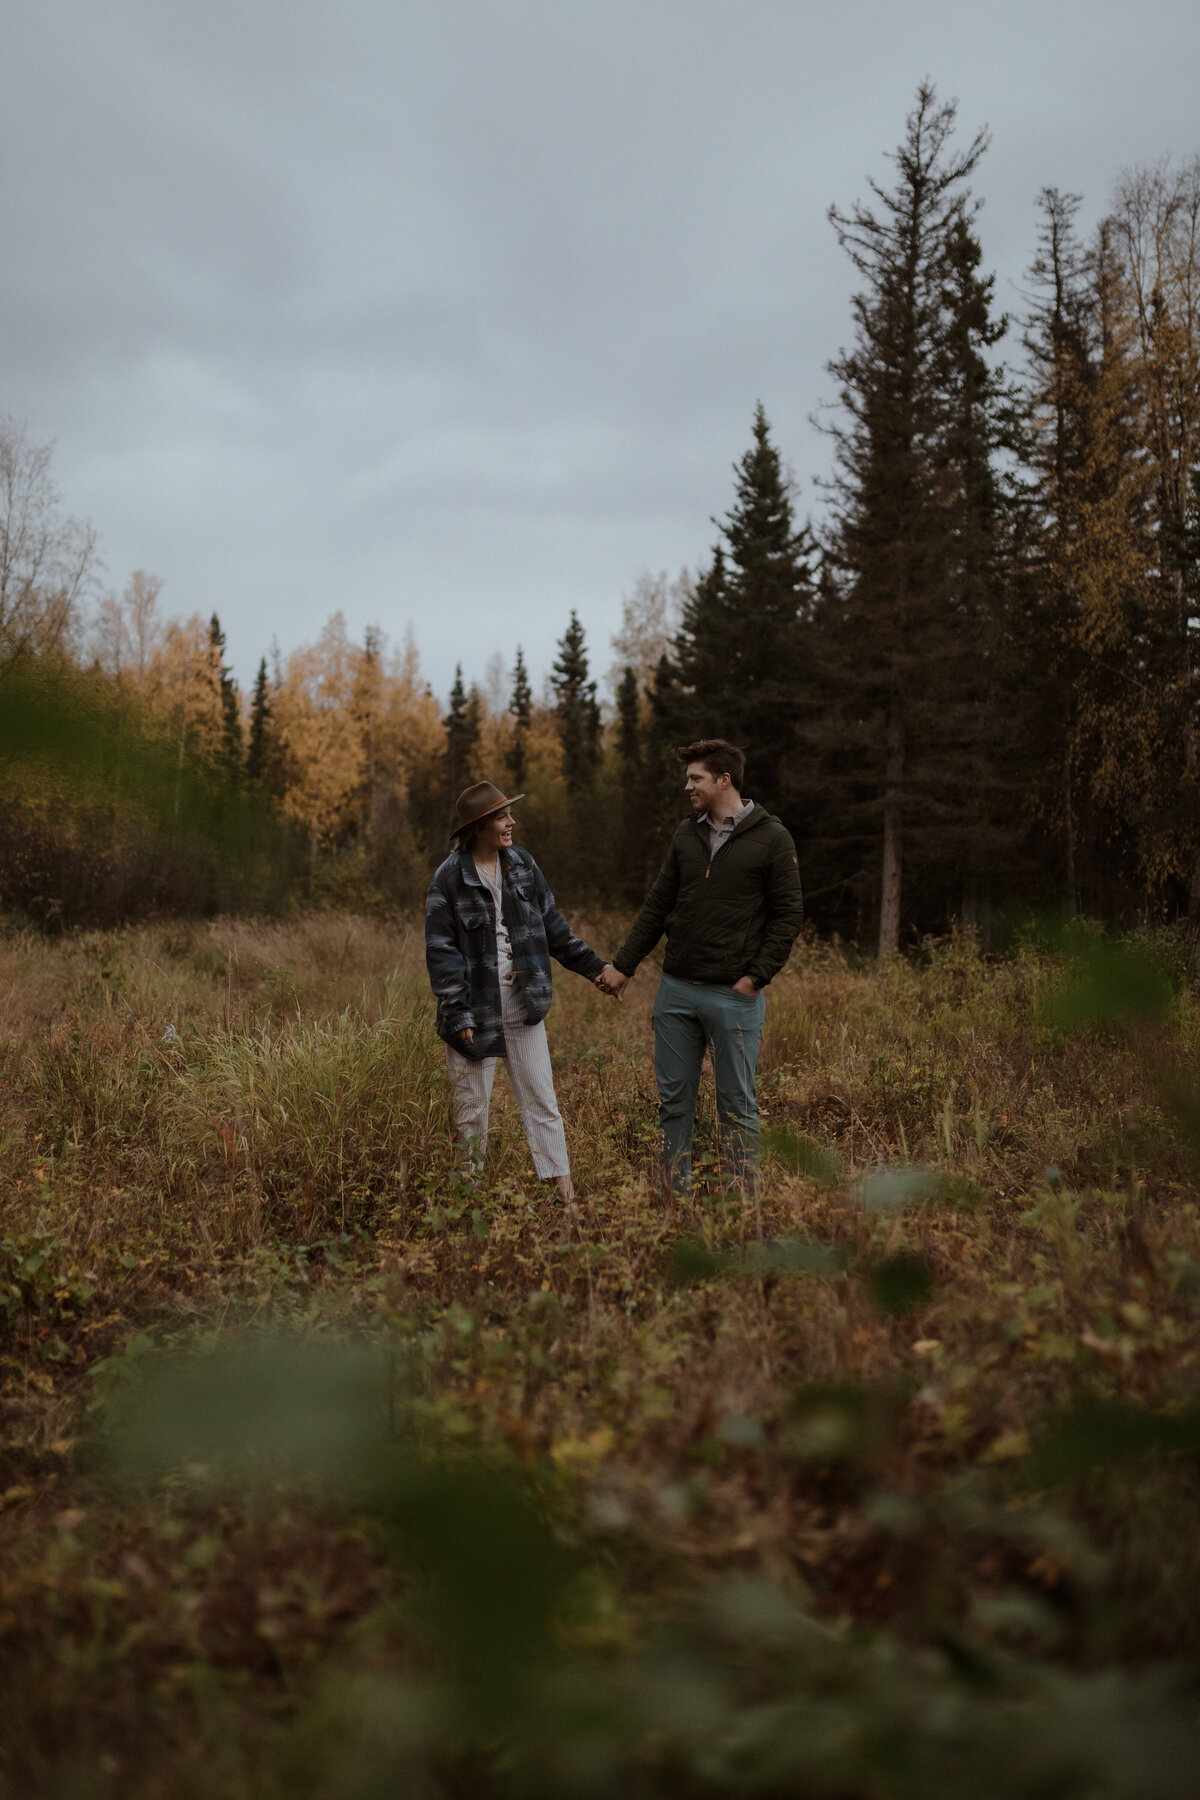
[[368, 692], [473, 731], [770, 592], [899, 725], [577, 709], [232, 749], [1103, 770], [260, 726], [629, 727], [699, 694], [1120, 745], [521, 709], [461, 725], [1057, 340], [975, 817], [668, 723], [634, 821], [1155, 227], [738, 652]]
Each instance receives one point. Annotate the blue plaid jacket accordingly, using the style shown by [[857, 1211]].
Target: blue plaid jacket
[[460, 947]]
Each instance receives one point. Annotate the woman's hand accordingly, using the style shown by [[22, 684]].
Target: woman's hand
[[611, 981], [745, 985], [466, 1035]]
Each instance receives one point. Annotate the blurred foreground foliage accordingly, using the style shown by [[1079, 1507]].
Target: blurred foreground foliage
[[109, 817], [743, 1691]]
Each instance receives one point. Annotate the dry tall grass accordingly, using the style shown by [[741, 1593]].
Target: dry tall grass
[[208, 1128]]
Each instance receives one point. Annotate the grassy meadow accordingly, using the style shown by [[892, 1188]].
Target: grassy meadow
[[326, 1474]]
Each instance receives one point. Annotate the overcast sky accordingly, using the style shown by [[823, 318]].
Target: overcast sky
[[456, 311]]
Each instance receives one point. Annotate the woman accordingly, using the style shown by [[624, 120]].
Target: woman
[[491, 927]]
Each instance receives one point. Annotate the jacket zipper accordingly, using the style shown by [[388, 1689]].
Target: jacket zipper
[[720, 847]]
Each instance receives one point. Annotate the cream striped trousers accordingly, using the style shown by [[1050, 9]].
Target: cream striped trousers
[[532, 1079]]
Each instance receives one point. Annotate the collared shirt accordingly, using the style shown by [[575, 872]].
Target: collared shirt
[[721, 830], [504, 955]]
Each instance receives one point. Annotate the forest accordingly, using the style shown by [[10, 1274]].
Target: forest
[[329, 1470]]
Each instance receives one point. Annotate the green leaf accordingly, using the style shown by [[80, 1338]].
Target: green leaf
[[692, 1261], [899, 1284], [802, 1154], [1108, 983], [892, 1189], [1094, 1433]]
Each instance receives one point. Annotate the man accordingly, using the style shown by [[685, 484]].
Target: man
[[728, 897]]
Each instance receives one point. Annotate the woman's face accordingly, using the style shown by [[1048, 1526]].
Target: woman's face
[[495, 833]]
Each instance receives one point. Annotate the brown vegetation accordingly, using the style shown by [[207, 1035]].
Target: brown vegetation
[[211, 1131]]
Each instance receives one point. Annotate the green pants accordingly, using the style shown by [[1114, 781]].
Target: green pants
[[688, 1015]]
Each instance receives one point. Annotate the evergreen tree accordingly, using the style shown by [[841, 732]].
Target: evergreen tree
[[1156, 235], [368, 694], [669, 723], [577, 709], [1094, 635], [978, 815], [629, 727], [901, 728], [699, 694], [257, 756], [738, 653], [232, 749], [473, 731], [1057, 340], [769, 593], [630, 772], [1119, 737], [461, 725], [521, 708]]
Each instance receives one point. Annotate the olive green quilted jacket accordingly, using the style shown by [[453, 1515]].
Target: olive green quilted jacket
[[733, 914]]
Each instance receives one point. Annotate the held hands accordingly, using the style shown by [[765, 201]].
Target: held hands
[[611, 981]]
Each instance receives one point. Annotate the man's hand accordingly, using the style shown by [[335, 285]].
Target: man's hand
[[745, 985], [466, 1035], [611, 981]]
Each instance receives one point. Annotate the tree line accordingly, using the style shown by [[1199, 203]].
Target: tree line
[[973, 683]]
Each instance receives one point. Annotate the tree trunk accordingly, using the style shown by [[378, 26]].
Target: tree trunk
[[179, 764], [889, 899], [1194, 892], [1071, 896]]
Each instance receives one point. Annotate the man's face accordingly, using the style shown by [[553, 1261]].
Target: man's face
[[703, 787]]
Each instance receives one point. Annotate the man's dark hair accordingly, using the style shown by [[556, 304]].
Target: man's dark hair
[[718, 757]]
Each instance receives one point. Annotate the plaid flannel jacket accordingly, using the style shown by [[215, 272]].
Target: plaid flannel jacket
[[460, 947]]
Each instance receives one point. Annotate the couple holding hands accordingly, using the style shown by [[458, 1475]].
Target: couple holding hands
[[727, 896]]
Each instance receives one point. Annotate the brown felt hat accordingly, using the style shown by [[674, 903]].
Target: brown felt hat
[[479, 802]]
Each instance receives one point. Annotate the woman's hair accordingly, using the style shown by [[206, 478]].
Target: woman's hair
[[718, 757]]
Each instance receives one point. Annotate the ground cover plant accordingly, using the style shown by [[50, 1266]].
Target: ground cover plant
[[325, 1473]]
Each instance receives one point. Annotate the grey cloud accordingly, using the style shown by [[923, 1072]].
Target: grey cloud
[[459, 313]]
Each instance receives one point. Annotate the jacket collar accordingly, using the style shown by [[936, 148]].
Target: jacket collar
[[470, 874], [700, 821]]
